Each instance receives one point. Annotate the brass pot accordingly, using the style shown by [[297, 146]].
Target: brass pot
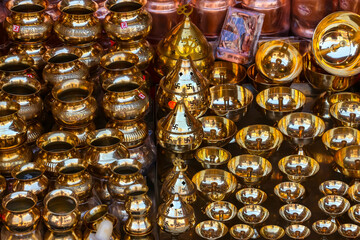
[[81, 132], [2, 186], [73, 175], [11, 157], [64, 63], [30, 177], [28, 21], [35, 50], [68, 235], [91, 55], [127, 20], [60, 213], [145, 154], [20, 64], [19, 212], [105, 147], [137, 202], [77, 23], [34, 131], [124, 173], [138, 225], [140, 48], [54, 148], [73, 103], [32, 235]]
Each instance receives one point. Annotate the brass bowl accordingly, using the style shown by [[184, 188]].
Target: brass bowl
[[297, 231], [218, 131], [289, 192], [298, 167], [349, 230], [241, 232], [212, 157], [276, 102], [272, 232], [295, 213], [262, 83], [333, 187], [221, 211], [19, 64], [324, 227], [343, 97], [339, 137], [251, 72], [230, 101], [227, 72], [253, 215], [260, 140], [211, 229], [354, 192], [251, 169], [251, 196], [348, 161], [215, 184], [354, 213], [334, 205], [346, 114]]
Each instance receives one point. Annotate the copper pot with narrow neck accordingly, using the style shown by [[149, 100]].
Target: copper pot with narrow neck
[[30, 177], [54, 148], [19, 64], [77, 23], [73, 103], [35, 50], [63, 63], [127, 20], [28, 21]]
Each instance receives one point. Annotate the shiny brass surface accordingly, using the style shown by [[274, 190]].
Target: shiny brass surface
[[127, 20], [135, 132], [333, 187], [336, 138], [298, 167], [227, 72], [251, 169], [289, 192], [262, 83], [253, 215], [11, 157], [2, 185], [54, 148], [301, 128], [343, 97], [260, 140], [218, 131], [251, 196], [68, 235], [124, 173], [175, 216], [140, 48], [334, 206], [28, 21], [19, 64], [215, 184], [335, 43], [138, 225], [241, 232], [30, 177], [354, 192], [212, 157], [211, 229], [297, 231], [221, 211], [279, 61], [179, 131], [251, 72], [276, 102], [347, 160], [91, 55], [346, 114], [60, 211], [185, 39], [63, 63], [324, 227], [230, 101], [35, 50], [105, 146], [295, 213], [80, 132], [354, 213], [349, 230], [73, 175], [77, 23], [272, 232], [73, 103]]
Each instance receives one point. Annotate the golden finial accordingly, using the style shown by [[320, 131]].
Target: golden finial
[[182, 10]]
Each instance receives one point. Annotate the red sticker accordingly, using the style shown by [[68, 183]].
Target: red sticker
[[16, 28], [172, 104], [144, 77], [112, 42], [142, 96], [30, 75], [123, 25]]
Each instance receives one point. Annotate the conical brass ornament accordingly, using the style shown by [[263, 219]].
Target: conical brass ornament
[[179, 183], [179, 131], [184, 39], [185, 80]]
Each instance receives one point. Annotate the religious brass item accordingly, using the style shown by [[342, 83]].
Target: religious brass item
[[298, 167], [19, 64], [324, 227], [91, 55], [221, 211], [241, 232], [262, 83], [343, 97], [251, 196], [349, 230], [346, 114], [211, 229], [347, 160], [272, 232], [35, 50], [218, 131], [354, 192], [297, 231], [354, 213], [212, 157], [253, 215], [11, 157], [227, 72], [333, 187], [336, 138], [334, 206], [289, 192], [295, 213]]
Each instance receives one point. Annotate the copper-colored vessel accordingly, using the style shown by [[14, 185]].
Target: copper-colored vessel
[[10, 157], [20, 64], [35, 50], [91, 55], [80, 132]]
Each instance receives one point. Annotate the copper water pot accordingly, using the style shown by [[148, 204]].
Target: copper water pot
[[28, 21], [73, 102], [127, 20], [35, 50], [77, 23], [19, 64]]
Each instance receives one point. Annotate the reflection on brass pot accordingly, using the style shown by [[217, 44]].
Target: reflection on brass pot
[[262, 83], [127, 20], [289, 192], [212, 157], [324, 227], [2, 186], [221, 211], [135, 132], [211, 229], [227, 72], [81, 132], [77, 23], [11, 157], [91, 55], [20, 64], [333, 187], [349, 230], [218, 131], [346, 114], [28, 21], [337, 138], [348, 162], [343, 97], [68, 235], [241, 232], [35, 50], [251, 196]]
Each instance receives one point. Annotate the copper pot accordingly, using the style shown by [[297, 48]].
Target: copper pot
[[35, 50], [77, 23], [28, 21], [127, 20], [20, 64]]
